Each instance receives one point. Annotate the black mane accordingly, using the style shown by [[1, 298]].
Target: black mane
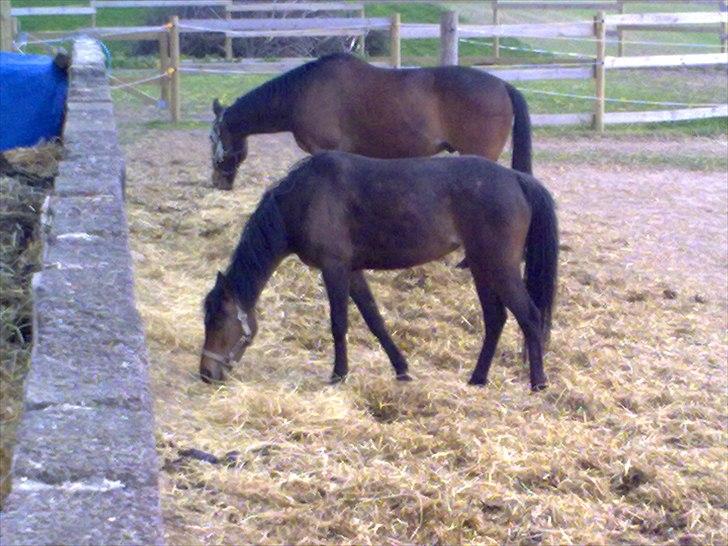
[[262, 245], [270, 104]]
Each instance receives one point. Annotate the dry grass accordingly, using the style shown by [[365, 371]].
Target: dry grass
[[628, 445], [25, 176]]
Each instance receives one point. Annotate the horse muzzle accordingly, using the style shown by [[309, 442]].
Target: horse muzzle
[[211, 372]]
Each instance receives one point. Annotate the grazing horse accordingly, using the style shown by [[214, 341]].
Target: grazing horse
[[343, 213], [340, 102]]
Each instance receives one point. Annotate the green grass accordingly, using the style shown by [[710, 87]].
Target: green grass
[[715, 127], [657, 86], [111, 17], [604, 158]]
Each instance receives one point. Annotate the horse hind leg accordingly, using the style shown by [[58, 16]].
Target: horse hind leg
[[494, 317], [514, 295], [499, 277]]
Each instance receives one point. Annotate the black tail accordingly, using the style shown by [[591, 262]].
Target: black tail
[[542, 249], [522, 152]]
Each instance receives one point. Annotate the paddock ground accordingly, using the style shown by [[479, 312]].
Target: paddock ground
[[626, 446]]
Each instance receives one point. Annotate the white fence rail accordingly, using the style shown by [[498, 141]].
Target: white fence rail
[[654, 61]]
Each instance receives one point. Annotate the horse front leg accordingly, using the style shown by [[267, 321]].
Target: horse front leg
[[336, 280], [364, 300]]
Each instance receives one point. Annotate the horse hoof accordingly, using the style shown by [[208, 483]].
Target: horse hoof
[[404, 377], [336, 379], [478, 382], [538, 387]]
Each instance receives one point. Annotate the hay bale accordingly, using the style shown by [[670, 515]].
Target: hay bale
[[26, 175]]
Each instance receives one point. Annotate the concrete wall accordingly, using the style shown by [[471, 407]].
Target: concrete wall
[[85, 468]]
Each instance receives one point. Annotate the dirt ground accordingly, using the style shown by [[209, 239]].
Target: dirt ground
[[628, 443]]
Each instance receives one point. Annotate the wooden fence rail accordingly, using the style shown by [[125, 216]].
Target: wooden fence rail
[[596, 68], [576, 29], [654, 61], [263, 26], [566, 5], [137, 4], [295, 6]]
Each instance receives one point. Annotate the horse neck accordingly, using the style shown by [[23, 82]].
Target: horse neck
[[262, 246], [262, 110], [249, 283]]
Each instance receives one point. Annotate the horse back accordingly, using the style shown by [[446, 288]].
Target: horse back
[[377, 214], [353, 106]]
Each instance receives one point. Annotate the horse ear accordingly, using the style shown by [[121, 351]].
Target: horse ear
[[217, 107], [222, 282]]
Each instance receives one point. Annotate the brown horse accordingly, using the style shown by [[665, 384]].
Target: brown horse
[[344, 213], [340, 102]]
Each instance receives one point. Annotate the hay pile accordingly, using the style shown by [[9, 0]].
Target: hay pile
[[627, 445], [26, 174]]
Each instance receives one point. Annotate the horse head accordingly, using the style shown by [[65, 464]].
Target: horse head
[[228, 149], [229, 330]]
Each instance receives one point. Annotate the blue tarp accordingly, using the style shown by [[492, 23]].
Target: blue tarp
[[32, 99]]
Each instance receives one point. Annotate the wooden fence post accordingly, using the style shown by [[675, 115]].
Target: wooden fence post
[[164, 66], [174, 54], [228, 39], [92, 4], [395, 42], [620, 31], [496, 21], [600, 71], [723, 8], [360, 46], [6, 26], [449, 38]]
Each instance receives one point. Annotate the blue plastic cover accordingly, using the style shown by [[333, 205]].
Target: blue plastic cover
[[32, 99]]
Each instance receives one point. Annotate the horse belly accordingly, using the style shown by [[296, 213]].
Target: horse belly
[[404, 241], [402, 258], [406, 125]]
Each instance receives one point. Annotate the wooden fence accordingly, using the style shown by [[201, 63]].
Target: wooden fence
[[498, 7], [292, 7], [449, 32]]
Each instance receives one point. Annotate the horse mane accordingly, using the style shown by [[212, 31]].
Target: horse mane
[[262, 245], [277, 95]]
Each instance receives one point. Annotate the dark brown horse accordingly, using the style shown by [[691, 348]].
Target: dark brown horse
[[344, 213], [340, 102]]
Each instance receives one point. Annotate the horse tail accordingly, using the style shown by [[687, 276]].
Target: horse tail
[[522, 152], [542, 249]]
